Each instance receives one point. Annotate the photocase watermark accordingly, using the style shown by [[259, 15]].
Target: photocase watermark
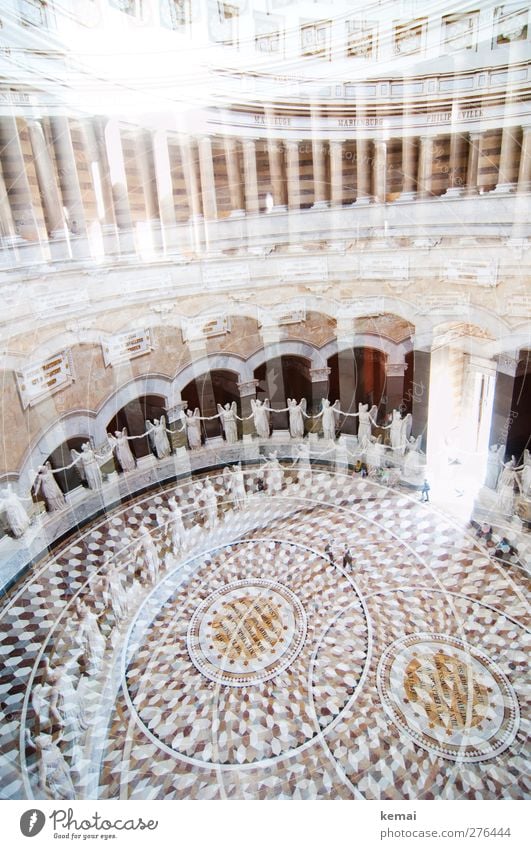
[[65, 824], [504, 432], [32, 822]]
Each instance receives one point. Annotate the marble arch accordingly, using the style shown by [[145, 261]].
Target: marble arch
[[211, 362], [147, 384]]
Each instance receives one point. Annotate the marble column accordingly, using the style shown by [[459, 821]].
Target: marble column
[[191, 178], [336, 172], [409, 170], [275, 152], [49, 189], [502, 413], [234, 178], [421, 393], [292, 174], [7, 224], [455, 186], [524, 172], [320, 194], [177, 435], [508, 157], [68, 175], [363, 171], [474, 143], [208, 185], [347, 373], [24, 206], [247, 391], [118, 179], [319, 378], [394, 385], [160, 202], [94, 143], [380, 170], [250, 178], [424, 179]]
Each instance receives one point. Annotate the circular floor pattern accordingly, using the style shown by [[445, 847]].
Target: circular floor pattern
[[246, 632], [250, 699], [451, 698]]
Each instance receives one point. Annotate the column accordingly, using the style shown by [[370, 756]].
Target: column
[[118, 180], [508, 157], [208, 186], [502, 414], [247, 392], [363, 172], [161, 204], [425, 166], [474, 142], [249, 175], [455, 185], [379, 170], [524, 173], [47, 182], [20, 198], [8, 231], [409, 170], [177, 435], [292, 174], [234, 177], [94, 140], [70, 186], [394, 384], [320, 195], [191, 178], [421, 393], [319, 380], [276, 170], [336, 172]]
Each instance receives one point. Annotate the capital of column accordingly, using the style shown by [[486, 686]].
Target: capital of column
[[395, 369], [248, 387], [174, 413], [507, 363], [319, 375]]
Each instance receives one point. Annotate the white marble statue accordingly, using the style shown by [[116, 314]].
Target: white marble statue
[[192, 422], [261, 417], [148, 551], [211, 505], [45, 482], [526, 474], [375, 453], [302, 464], [88, 464], [41, 704], [367, 418], [494, 465], [296, 417], [120, 446], [177, 529], [65, 701], [114, 593], [330, 415], [54, 773], [14, 511], [89, 637], [229, 423], [157, 433], [235, 485], [273, 474], [412, 463], [399, 431]]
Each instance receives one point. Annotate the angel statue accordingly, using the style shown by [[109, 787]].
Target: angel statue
[[89, 637], [330, 414], [120, 447], [296, 421], [88, 465], [228, 415], [261, 417], [46, 483], [192, 422], [14, 511], [235, 485], [54, 773], [526, 474], [157, 432], [367, 419], [494, 465], [400, 431], [412, 464], [273, 474]]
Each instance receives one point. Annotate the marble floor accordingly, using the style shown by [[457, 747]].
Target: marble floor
[[258, 665]]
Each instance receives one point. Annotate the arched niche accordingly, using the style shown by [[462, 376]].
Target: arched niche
[[282, 377], [133, 416], [206, 391]]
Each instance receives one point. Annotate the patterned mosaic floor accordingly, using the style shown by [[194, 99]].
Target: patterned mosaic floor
[[256, 666]]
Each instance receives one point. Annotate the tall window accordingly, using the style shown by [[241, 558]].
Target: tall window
[[34, 12], [129, 7], [174, 14]]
